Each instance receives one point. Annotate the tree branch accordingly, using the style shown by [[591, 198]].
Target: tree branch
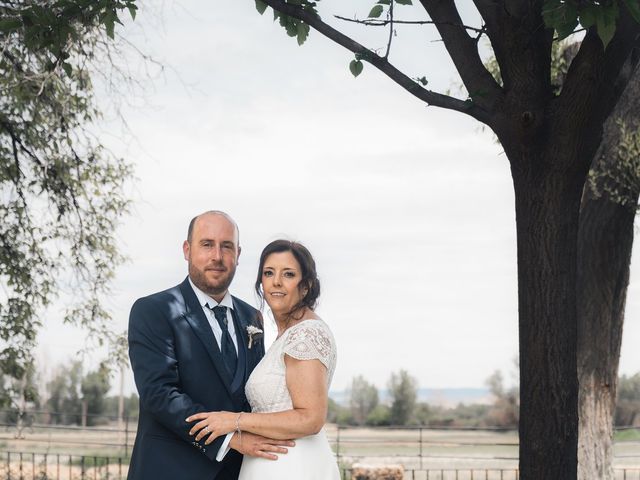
[[463, 50], [596, 77], [386, 55], [432, 98], [375, 22]]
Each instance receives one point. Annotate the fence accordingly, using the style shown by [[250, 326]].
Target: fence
[[426, 453], [40, 428], [31, 466]]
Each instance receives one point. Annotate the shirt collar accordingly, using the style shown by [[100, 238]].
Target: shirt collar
[[205, 299]]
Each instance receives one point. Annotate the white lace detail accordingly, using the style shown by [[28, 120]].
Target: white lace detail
[[266, 388], [309, 342]]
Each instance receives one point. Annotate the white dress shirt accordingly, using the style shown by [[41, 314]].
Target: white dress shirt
[[227, 301]]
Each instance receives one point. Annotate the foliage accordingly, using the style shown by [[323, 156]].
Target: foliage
[[62, 194], [403, 390], [70, 394], [363, 398], [130, 406], [628, 402], [64, 397], [94, 387], [293, 26], [565, 15], [619, 181], [19, 393], [505, 410], [379, 416]]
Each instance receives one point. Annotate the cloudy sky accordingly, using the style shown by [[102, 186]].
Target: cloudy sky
[[408, 209]]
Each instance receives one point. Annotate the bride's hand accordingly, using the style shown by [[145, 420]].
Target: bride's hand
[[213, 424]]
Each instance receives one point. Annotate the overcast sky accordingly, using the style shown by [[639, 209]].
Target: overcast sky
[[408, 209]]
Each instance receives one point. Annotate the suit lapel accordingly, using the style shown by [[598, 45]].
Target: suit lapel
[[244, 320], [196, 318]]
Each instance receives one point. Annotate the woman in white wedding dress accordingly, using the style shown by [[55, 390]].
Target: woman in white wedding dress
[[288, 389]]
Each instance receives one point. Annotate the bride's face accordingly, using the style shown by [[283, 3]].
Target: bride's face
[[281, 277]]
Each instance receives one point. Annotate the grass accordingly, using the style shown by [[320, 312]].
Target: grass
[[627, 435]]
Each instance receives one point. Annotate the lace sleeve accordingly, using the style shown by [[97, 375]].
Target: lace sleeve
[[310, 342]]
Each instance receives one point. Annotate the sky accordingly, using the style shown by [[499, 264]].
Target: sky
[[408, 209]]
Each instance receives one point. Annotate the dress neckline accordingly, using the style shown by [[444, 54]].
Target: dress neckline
[[293, 326]]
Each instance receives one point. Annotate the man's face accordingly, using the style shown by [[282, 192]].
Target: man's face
[[212, 254]]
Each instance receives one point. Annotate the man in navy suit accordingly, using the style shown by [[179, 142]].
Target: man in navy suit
[[190, 352]]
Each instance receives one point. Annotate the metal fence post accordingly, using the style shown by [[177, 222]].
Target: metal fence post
[[421, 465], [126, 435]]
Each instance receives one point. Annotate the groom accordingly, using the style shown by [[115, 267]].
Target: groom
[[190, 353]]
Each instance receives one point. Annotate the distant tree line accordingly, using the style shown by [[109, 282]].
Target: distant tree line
[[68, 397], [71, 397], [363, 406]]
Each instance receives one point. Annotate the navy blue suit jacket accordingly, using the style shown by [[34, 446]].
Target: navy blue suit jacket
[[179, 371]]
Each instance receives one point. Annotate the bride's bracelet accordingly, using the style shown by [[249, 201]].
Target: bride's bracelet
[[238, 431]]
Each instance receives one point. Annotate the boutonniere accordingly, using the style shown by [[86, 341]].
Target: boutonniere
[[254, 334]]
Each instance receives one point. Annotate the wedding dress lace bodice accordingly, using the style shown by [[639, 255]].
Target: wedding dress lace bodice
[[266, 389], [310, 339]]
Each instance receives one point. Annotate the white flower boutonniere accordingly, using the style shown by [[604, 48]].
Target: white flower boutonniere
[[254, 334]]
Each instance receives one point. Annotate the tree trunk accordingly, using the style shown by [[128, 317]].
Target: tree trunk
[[604, 253], [547, 218]]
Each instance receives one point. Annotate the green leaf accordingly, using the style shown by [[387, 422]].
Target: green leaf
[[132, 11], [404, 2], [634, 8], [110, 25], [8, 24], [376, 11], [606, 23], [356, 67], [384, 2], [588, 16], [552, 13], [261, 6], [303, 32], [422, 80], [67, 68], [566, 29]]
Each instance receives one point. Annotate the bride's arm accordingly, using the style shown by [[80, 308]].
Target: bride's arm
[[307, 385]]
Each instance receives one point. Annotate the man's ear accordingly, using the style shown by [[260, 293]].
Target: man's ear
[[185, 249], [238, 257]]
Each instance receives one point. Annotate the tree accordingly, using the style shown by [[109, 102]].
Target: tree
[[605, 242], [504, 412], [94, 387], [628, 402], [65, 402], [363, 398], [403, 389], [550, 134], [131, 406], [62, 191]]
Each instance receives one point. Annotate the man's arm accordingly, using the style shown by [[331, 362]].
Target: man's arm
[[155, 369]]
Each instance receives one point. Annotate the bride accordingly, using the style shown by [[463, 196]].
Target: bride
[[288, 389]]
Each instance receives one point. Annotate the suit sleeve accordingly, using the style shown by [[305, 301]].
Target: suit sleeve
[[155, 369]]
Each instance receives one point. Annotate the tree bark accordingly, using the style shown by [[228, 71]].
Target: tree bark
[[547, 212], [604, 253]]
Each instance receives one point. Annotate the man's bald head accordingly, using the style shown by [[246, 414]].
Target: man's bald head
[[193, 221]]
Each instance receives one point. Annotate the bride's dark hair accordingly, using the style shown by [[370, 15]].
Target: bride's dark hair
[[309, 279]]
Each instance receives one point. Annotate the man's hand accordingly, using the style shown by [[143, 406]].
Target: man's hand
[[258, 446]]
